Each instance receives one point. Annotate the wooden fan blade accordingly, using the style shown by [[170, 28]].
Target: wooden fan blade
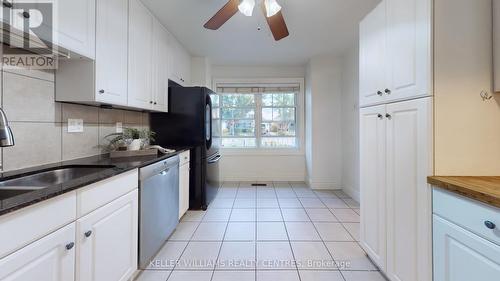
[[223, 15], [277, 25]]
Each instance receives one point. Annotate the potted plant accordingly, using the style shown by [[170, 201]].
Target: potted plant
[[134, 139]]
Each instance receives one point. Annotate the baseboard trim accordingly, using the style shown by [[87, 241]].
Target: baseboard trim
[[355, 194], [260, 178], [324, 185]]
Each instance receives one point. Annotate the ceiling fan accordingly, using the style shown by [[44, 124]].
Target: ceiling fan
[[270, 8]]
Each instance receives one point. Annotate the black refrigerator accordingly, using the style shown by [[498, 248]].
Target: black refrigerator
[[189, 122]]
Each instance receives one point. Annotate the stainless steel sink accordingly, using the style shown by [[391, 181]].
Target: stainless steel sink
[[47, 178]]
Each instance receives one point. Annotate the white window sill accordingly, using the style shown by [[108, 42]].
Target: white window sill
[[261, 151]]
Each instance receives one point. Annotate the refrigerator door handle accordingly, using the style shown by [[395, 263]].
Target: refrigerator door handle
[[215, 159]]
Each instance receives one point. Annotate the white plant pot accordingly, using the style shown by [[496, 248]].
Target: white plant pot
[[135, 145]]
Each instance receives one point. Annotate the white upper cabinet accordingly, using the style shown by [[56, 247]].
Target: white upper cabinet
[[372, 56], [140, 56], [111, 51], [395, 52], [496, 39], [180, 64], [373, 183], [160, 67], [51, 258]]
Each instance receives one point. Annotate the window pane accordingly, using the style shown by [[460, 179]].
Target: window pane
[[238, 113], [238, 128], [238, 142], [284, 100], [284, 114], [267, 114], [238, 100], [278, 142], [278, 129], [215, 113], [215, 100], [267, 99]]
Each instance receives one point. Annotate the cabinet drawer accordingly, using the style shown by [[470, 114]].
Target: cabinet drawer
[[184, 157], [32, 223], [101, 193], [467, 213]]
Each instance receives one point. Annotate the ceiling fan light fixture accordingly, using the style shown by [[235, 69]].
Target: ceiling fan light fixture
[[246, 7], [272, 7]]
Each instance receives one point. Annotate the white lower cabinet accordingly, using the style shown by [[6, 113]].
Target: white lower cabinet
[[396, 158], [51, 258], [184, 184], [107, 241]]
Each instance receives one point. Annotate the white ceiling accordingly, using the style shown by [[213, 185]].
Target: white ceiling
[[316, 27]]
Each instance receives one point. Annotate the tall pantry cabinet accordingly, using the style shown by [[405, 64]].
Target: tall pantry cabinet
[[396, 138]]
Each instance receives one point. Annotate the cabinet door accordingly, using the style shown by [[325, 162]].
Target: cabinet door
[[184, 189], [140, 82], [111, 51], [51, 258], [460, 255], [76, 26], [372, 180], [409, 162], [161, 65], [372, 56], [409, 46], [107, 241]]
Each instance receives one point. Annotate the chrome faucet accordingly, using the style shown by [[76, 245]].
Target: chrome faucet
[[6, 136]]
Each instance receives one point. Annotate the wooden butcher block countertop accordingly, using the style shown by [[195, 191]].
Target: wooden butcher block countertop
[[484, 189]]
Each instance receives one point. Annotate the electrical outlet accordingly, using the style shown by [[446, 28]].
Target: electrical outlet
[[75, 125], [119, 127]]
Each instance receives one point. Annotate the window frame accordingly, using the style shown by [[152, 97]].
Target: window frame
[[262, 83]]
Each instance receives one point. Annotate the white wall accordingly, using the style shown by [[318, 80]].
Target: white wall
[[261, 166], [350, 122], [323, 119]]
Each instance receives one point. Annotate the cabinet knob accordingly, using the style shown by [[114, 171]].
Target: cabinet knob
[[388, 116], [380, 116], [7, 4], [101, 91], [151, 102], [26, 15], [387, 91], [70, 246], [380, 93], [88, 233], [154, 103], [490, 225]]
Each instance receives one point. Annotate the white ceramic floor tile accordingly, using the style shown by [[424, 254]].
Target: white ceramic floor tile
[[325, 193], [269, 215], [222, 203], [199, 256], [302, 231], [240, 231], [168, 256], [312, 203], [281, 185], [274, 255], [295, 215], [288, 275], [299, 185], [267, 203], [247, 185], [304, 193], [341, 194], [363, 276], [217, 215], [321, 215], [285, 193], [153, 275], [237, 256], [230, 184], [234, 276], [332, 231], [289, 203], [313, 256], [245, 203], [266, 192], [178, 275], [195, 216], [350, 256], [227, 193], [210, 231], [184, 231], [351, 203], [243, 215], [345, 215], [357, 210], [314, 275], [353, 229], [334, 203], [271, 231]]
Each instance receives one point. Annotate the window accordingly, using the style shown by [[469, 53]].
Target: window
[[257, 117]]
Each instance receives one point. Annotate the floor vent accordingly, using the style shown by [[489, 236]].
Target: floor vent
[[259, 184]]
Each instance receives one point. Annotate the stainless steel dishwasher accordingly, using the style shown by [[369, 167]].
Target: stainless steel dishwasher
[[159, 206]]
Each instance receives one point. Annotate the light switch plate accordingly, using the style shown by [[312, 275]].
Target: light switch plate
[[75, 125], [119, 127]]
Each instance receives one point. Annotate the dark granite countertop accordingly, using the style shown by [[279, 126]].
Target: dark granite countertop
[[10, 203]]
